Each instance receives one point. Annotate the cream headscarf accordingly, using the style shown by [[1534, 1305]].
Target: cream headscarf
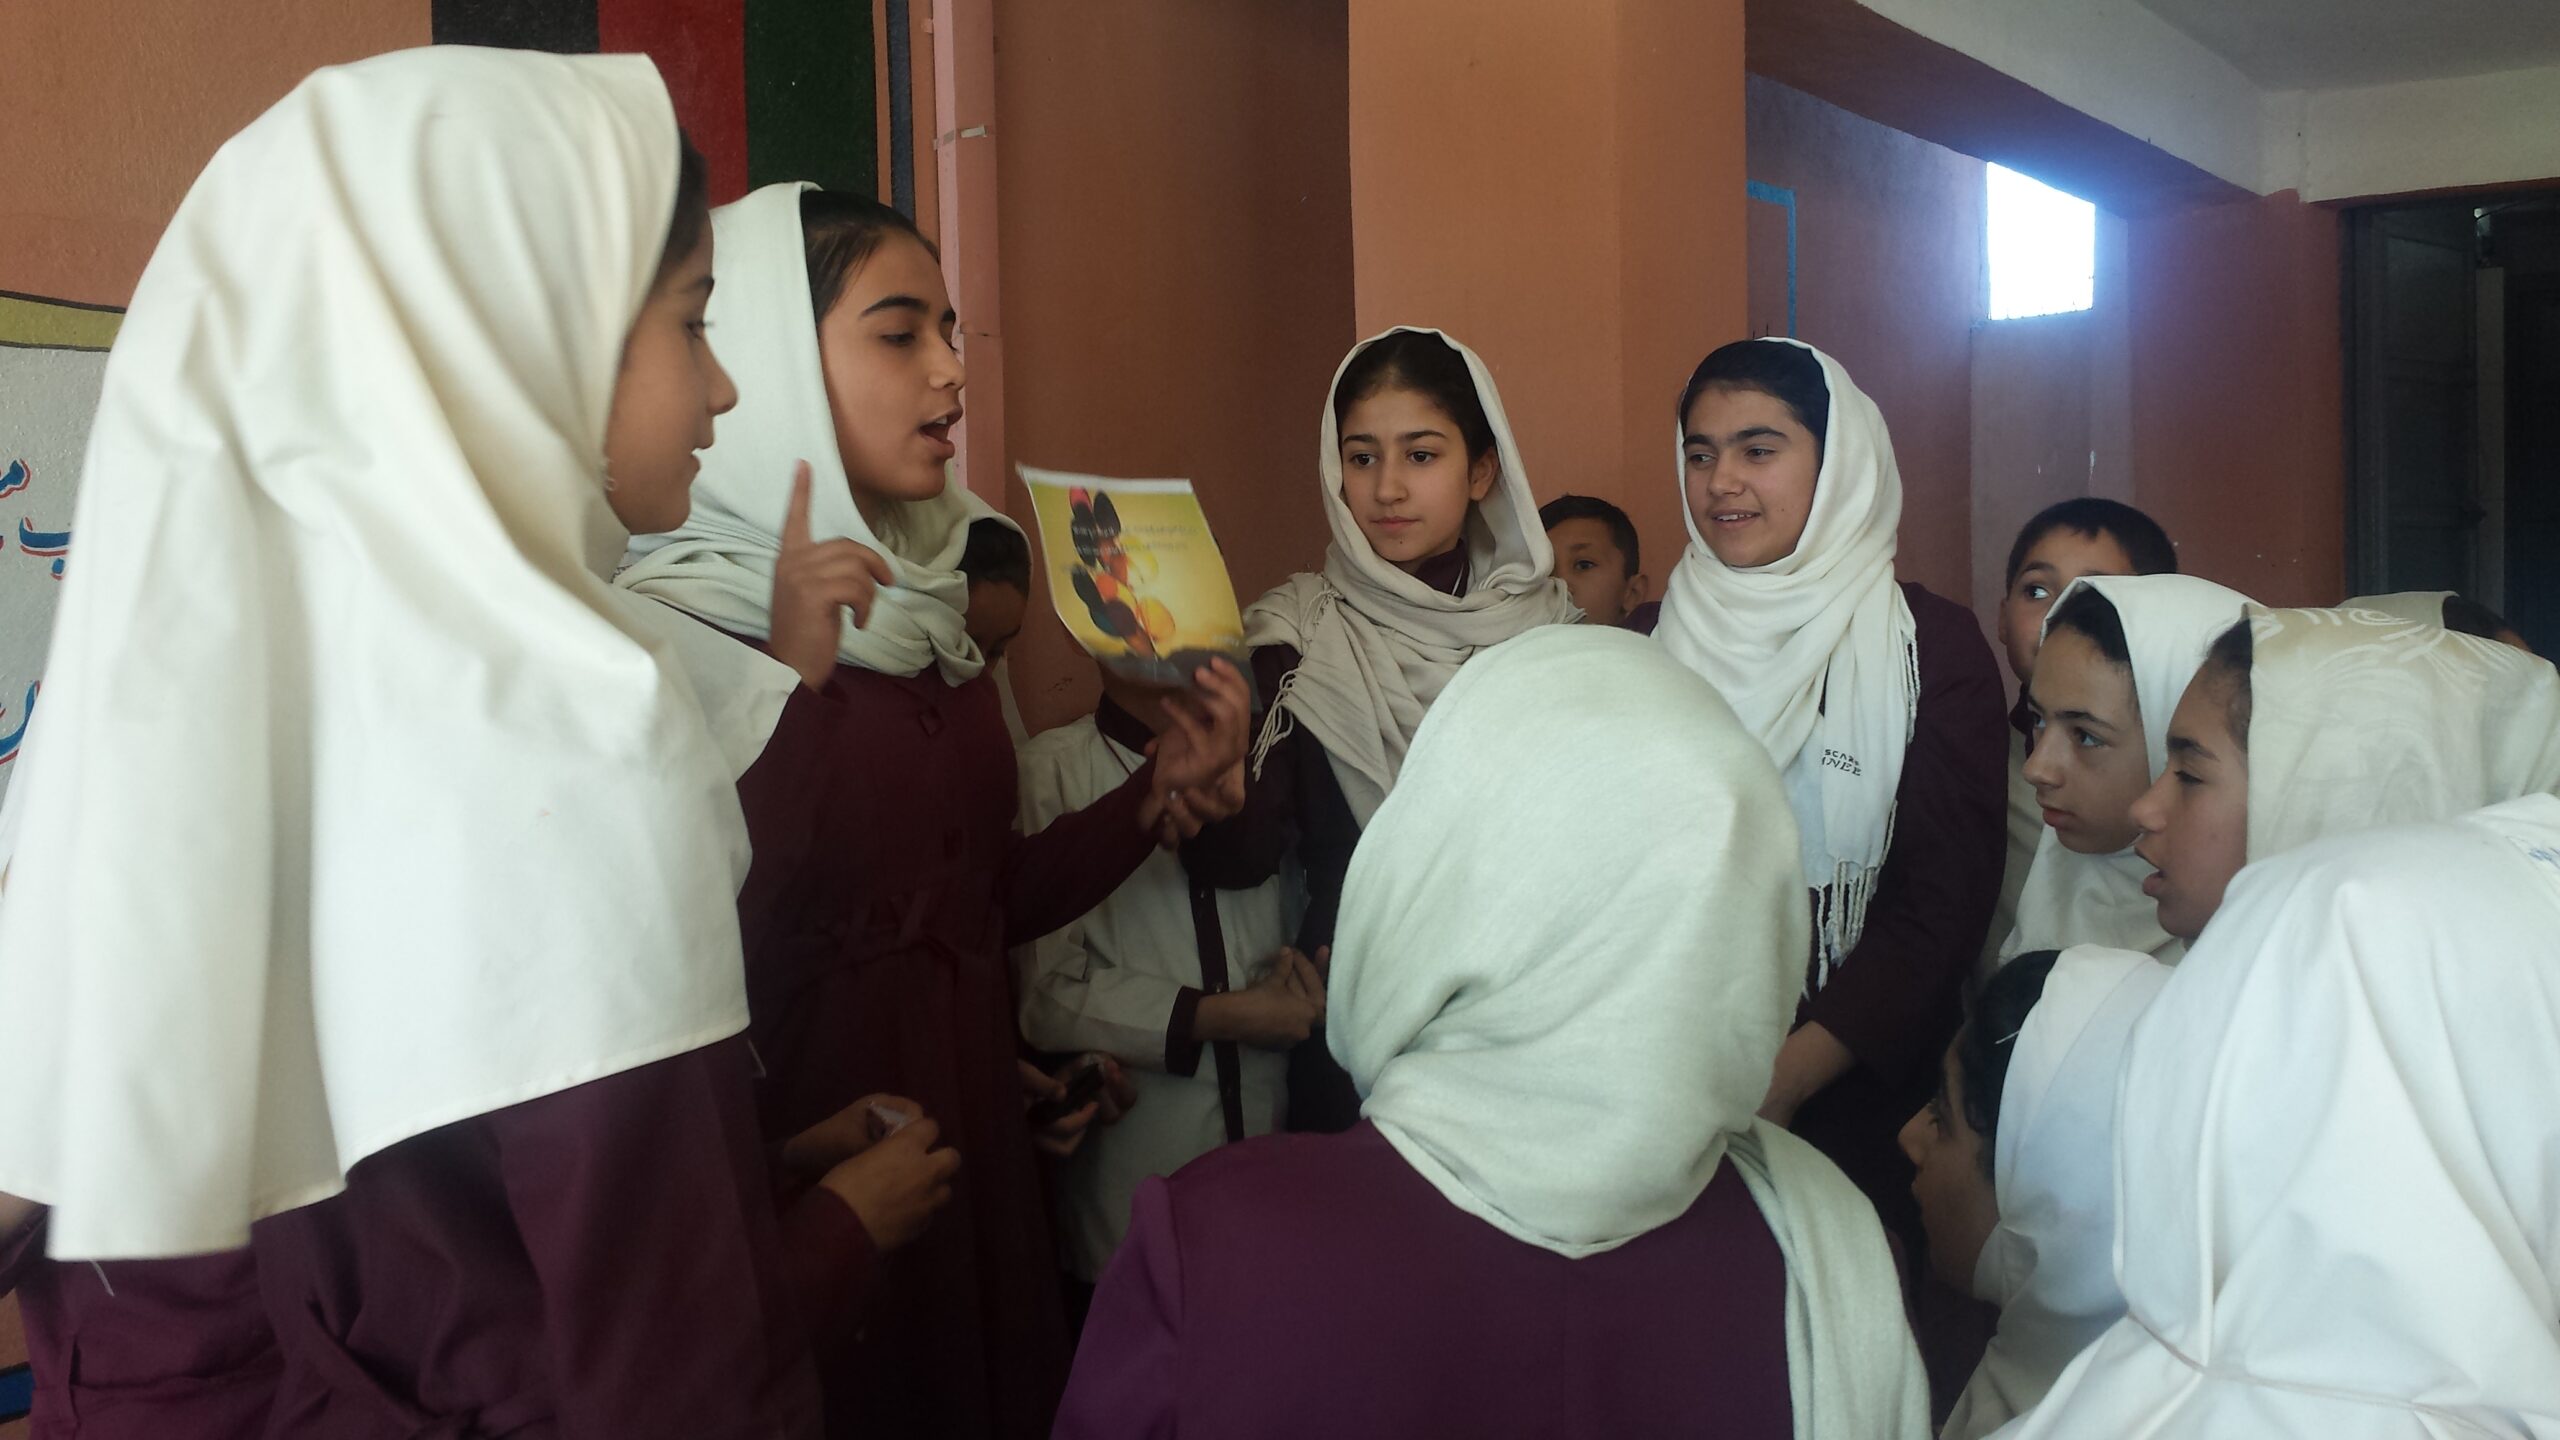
[[1566, 1037], [2358, 721], [720, 564], [2335, 1157], [1377, 645], [360, 803], [2418, 607], [2073, 899], [1816, 654], [2050, 1264]]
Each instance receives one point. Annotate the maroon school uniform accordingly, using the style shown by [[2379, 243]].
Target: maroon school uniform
[[141, 1349], [602, 1262], [887, 884], [1304, 1285]]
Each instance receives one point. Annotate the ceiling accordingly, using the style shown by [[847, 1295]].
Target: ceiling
[[2328, 44]]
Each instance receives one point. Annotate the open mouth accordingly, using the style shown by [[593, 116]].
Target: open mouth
[[1734, 517], [939, 431]]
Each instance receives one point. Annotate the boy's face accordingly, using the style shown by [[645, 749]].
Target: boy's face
[[2053, 562], [1594, 570]]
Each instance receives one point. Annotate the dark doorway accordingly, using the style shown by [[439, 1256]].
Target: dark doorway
[[2454, 373]]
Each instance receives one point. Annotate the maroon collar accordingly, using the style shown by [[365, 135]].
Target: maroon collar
[[1446, 573]]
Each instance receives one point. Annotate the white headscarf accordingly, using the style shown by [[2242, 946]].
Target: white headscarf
[[2074, 899], [2418, 607], [719, 565], [2358, 721], [2335, 1157], [2050, 1264], [360, 802], [1565, 1037], [1815, 652], [1377, 645]]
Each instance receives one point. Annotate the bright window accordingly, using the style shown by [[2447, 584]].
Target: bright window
[[2044, 248]]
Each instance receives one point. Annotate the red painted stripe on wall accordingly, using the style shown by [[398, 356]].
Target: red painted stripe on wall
[[701, 49]]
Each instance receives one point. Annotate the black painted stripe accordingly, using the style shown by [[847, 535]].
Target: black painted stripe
[[565, 26], [811, 101]]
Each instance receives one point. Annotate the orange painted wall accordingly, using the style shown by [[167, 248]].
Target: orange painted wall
[[1889, 280], [113, 108], [1561, 186], [1174, 233], [2238, 384]]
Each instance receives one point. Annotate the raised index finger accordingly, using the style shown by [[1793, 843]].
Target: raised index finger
[[795, 519]]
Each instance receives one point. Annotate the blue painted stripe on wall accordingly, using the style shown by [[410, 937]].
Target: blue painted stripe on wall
[[17, 1393], [1785, 198]]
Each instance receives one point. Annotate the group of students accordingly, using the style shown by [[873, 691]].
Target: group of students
[[507, 936]]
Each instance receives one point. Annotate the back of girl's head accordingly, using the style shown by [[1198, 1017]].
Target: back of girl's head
[[1990, 1037], [2094, 616], [2466, 616], [842, 230], [996, 554], [1788, 373], [692, 218], [2143, 541], [1427, 365], [2227, 665]]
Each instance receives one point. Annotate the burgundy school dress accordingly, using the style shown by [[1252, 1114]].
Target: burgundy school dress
[[141, 1349], [603, 1262], [1897, 998], [887, 884], [1316, 1285]]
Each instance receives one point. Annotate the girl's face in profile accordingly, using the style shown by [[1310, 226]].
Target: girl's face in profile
[[1406, 476], [2089, 762], [668, 392], [890, 350], [2195, 818]]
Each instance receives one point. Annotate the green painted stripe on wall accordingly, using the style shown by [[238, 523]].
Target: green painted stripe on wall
[[811, 107]]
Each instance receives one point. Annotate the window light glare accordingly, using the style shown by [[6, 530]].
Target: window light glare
[[2044, 247]]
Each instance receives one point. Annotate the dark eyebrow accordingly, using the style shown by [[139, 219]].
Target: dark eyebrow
[[1363, 439], [897, 302], [2079, 716], [702, 284], [1748, 432], [2181, 745], [1420, 435]]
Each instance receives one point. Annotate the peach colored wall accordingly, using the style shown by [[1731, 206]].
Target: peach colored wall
[[1889, 279], [1561, 186], [2238, 433], [1175, 244], [113, 108]]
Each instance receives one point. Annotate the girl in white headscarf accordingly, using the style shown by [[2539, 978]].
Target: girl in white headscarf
[[375, 865], [889, 877], [2334, 1154], [1882, 708], [1558, 1215], [1437, 553], [2118, 652], [2310, 723]]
